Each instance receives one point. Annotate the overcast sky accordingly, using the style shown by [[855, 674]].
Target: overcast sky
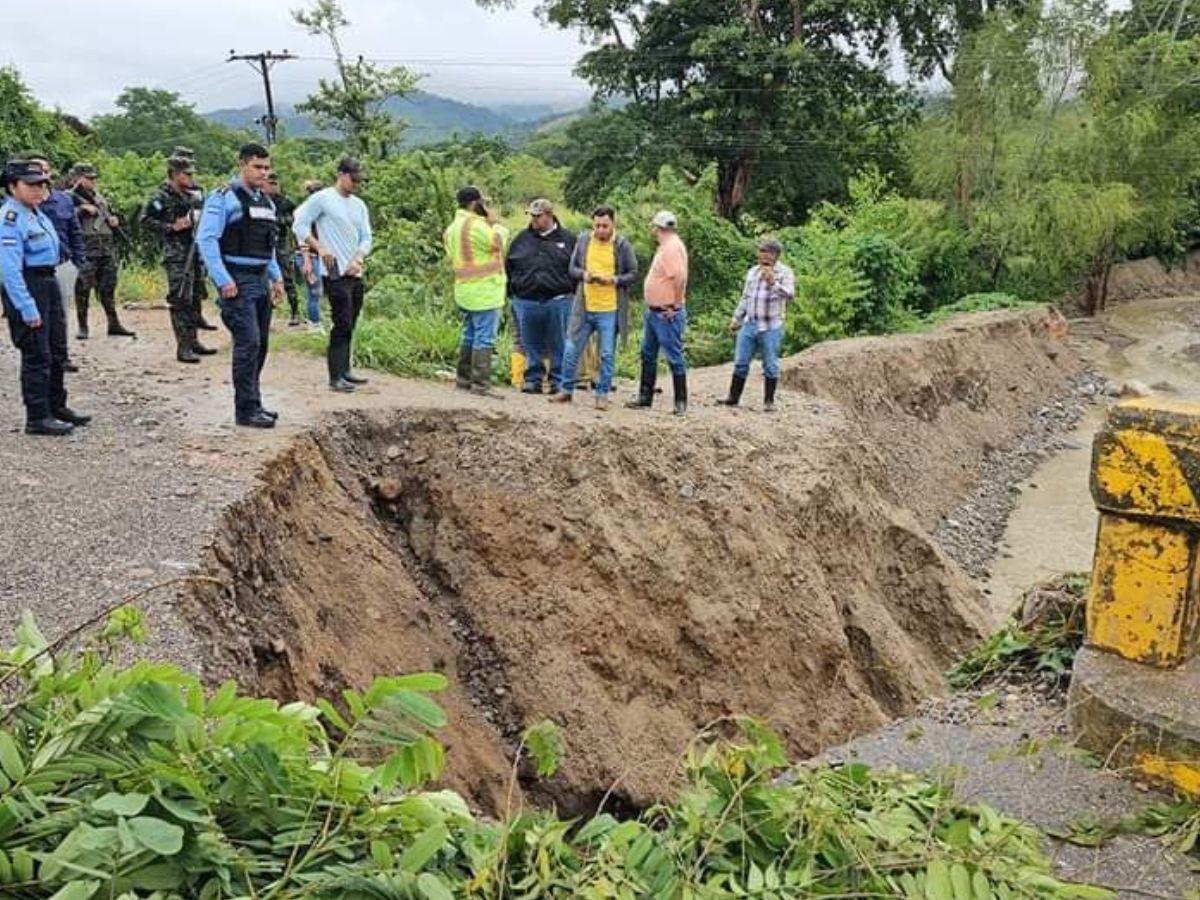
[[93, 50]]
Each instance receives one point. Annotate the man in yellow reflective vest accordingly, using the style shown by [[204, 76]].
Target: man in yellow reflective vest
[[475, 245]]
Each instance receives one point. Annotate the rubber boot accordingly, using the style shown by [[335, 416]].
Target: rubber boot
[[462, 376], [481, 373], [115, 328], [769, 394], [680, 383], [645, 395], [736, 386], [81, 316]]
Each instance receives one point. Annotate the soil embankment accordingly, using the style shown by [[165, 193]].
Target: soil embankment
[[635, 578]]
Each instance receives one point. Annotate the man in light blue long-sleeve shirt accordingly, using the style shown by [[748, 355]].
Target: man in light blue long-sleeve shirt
[[343, 226], [236, 239]]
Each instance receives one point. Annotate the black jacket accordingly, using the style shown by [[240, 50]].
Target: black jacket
[[539, 265]]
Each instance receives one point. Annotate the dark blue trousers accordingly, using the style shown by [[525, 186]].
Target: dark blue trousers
[[248, 318], [43, 350]]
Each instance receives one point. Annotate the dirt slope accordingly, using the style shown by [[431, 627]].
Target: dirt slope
[[936, 403], [632, 583]]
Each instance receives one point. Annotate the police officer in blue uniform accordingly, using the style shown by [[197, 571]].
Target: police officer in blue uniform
[[29, 254], [236, 239]]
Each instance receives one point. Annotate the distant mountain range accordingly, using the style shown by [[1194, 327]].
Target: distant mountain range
[[430, 118]]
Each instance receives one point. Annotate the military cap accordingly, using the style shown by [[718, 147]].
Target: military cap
[[25, 170], [537, 207], [181, 164], [84, 170], [186, 152]]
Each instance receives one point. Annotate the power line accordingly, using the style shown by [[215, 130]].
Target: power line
[[263, 63]]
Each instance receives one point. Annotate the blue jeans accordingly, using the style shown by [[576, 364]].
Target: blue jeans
[[314, 295], [659, 332], [604, 324], [766, 343], [543, 325], [248, 318], [479, 328]]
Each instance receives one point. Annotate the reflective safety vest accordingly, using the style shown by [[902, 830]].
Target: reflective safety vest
[[476, 250]]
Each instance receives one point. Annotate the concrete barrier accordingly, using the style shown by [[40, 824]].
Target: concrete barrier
[[1135, 693]]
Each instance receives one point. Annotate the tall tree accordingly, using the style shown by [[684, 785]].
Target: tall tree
[[354, 103], [758, 87]]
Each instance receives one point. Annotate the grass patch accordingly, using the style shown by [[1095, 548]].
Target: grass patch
[[140, 283]]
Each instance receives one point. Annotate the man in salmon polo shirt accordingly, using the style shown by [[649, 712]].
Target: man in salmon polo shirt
[[665, 317]]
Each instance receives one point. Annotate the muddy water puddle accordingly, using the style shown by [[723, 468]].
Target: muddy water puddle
[[1053, 527]]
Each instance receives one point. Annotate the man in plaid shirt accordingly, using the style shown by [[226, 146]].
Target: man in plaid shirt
[[758, 321]]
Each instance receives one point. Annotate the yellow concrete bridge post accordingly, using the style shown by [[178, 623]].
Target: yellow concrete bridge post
[[1135, 694]]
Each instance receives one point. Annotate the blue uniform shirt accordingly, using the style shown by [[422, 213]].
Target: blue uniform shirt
[[27, 238], [59, 208], [220, 209]]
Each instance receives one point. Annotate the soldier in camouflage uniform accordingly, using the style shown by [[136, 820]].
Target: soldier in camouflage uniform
[[99, 273], [171, 215], [285, 247], [197, 193]]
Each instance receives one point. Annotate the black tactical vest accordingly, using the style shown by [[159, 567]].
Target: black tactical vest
[[252, 236]]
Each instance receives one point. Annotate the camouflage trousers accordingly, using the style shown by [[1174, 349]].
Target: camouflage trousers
[[185, 294]]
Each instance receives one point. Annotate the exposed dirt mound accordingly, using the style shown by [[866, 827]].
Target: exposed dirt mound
[[635, 577], [1144, 278], [935, 404], [632, 584]]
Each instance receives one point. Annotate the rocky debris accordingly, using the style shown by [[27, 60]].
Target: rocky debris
[[972, 532]]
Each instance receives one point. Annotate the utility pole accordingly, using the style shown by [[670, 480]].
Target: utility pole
[[262, 63]]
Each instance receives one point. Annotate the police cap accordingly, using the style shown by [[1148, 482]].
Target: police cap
[[25, 170]]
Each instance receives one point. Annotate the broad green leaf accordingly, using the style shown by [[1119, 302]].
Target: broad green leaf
[[423, 848], [432, 888], [121, 804], [76, 890], [164, 838], [10, 757], [960, 881], [937, 881]]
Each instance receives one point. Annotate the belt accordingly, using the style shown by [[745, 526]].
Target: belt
[[246, 267], [665, 308], [39, 271]]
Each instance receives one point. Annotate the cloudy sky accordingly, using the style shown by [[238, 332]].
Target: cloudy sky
[[93, 50]]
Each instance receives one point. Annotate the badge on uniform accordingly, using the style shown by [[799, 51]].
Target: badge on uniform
[[10, 216], [8, 242]]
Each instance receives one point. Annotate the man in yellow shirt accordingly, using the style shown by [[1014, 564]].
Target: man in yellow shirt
[[605, 266]]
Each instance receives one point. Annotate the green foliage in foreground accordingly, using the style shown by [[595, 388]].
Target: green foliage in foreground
[[129, 782], [1042, 636]]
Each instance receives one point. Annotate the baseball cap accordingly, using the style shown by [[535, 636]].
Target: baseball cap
[[664, 219], [537, 207], [84, 170], [181, 164], [25, 170]]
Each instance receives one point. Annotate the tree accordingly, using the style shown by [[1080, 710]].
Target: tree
[[353, 103], [756, 87], [154, 121], [25, 126]]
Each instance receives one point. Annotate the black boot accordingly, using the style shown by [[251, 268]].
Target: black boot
[[769, 394], [680, 383], [645, 394], [462, 375], [115, 328], [50, 426], [81, 316], [481, 373], [68, 415], [185, 355], [736, 386], [203, 324]]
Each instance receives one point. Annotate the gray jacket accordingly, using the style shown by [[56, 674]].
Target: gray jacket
[[627, 271]]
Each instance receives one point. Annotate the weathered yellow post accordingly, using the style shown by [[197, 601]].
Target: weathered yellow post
[[1135, 696]]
